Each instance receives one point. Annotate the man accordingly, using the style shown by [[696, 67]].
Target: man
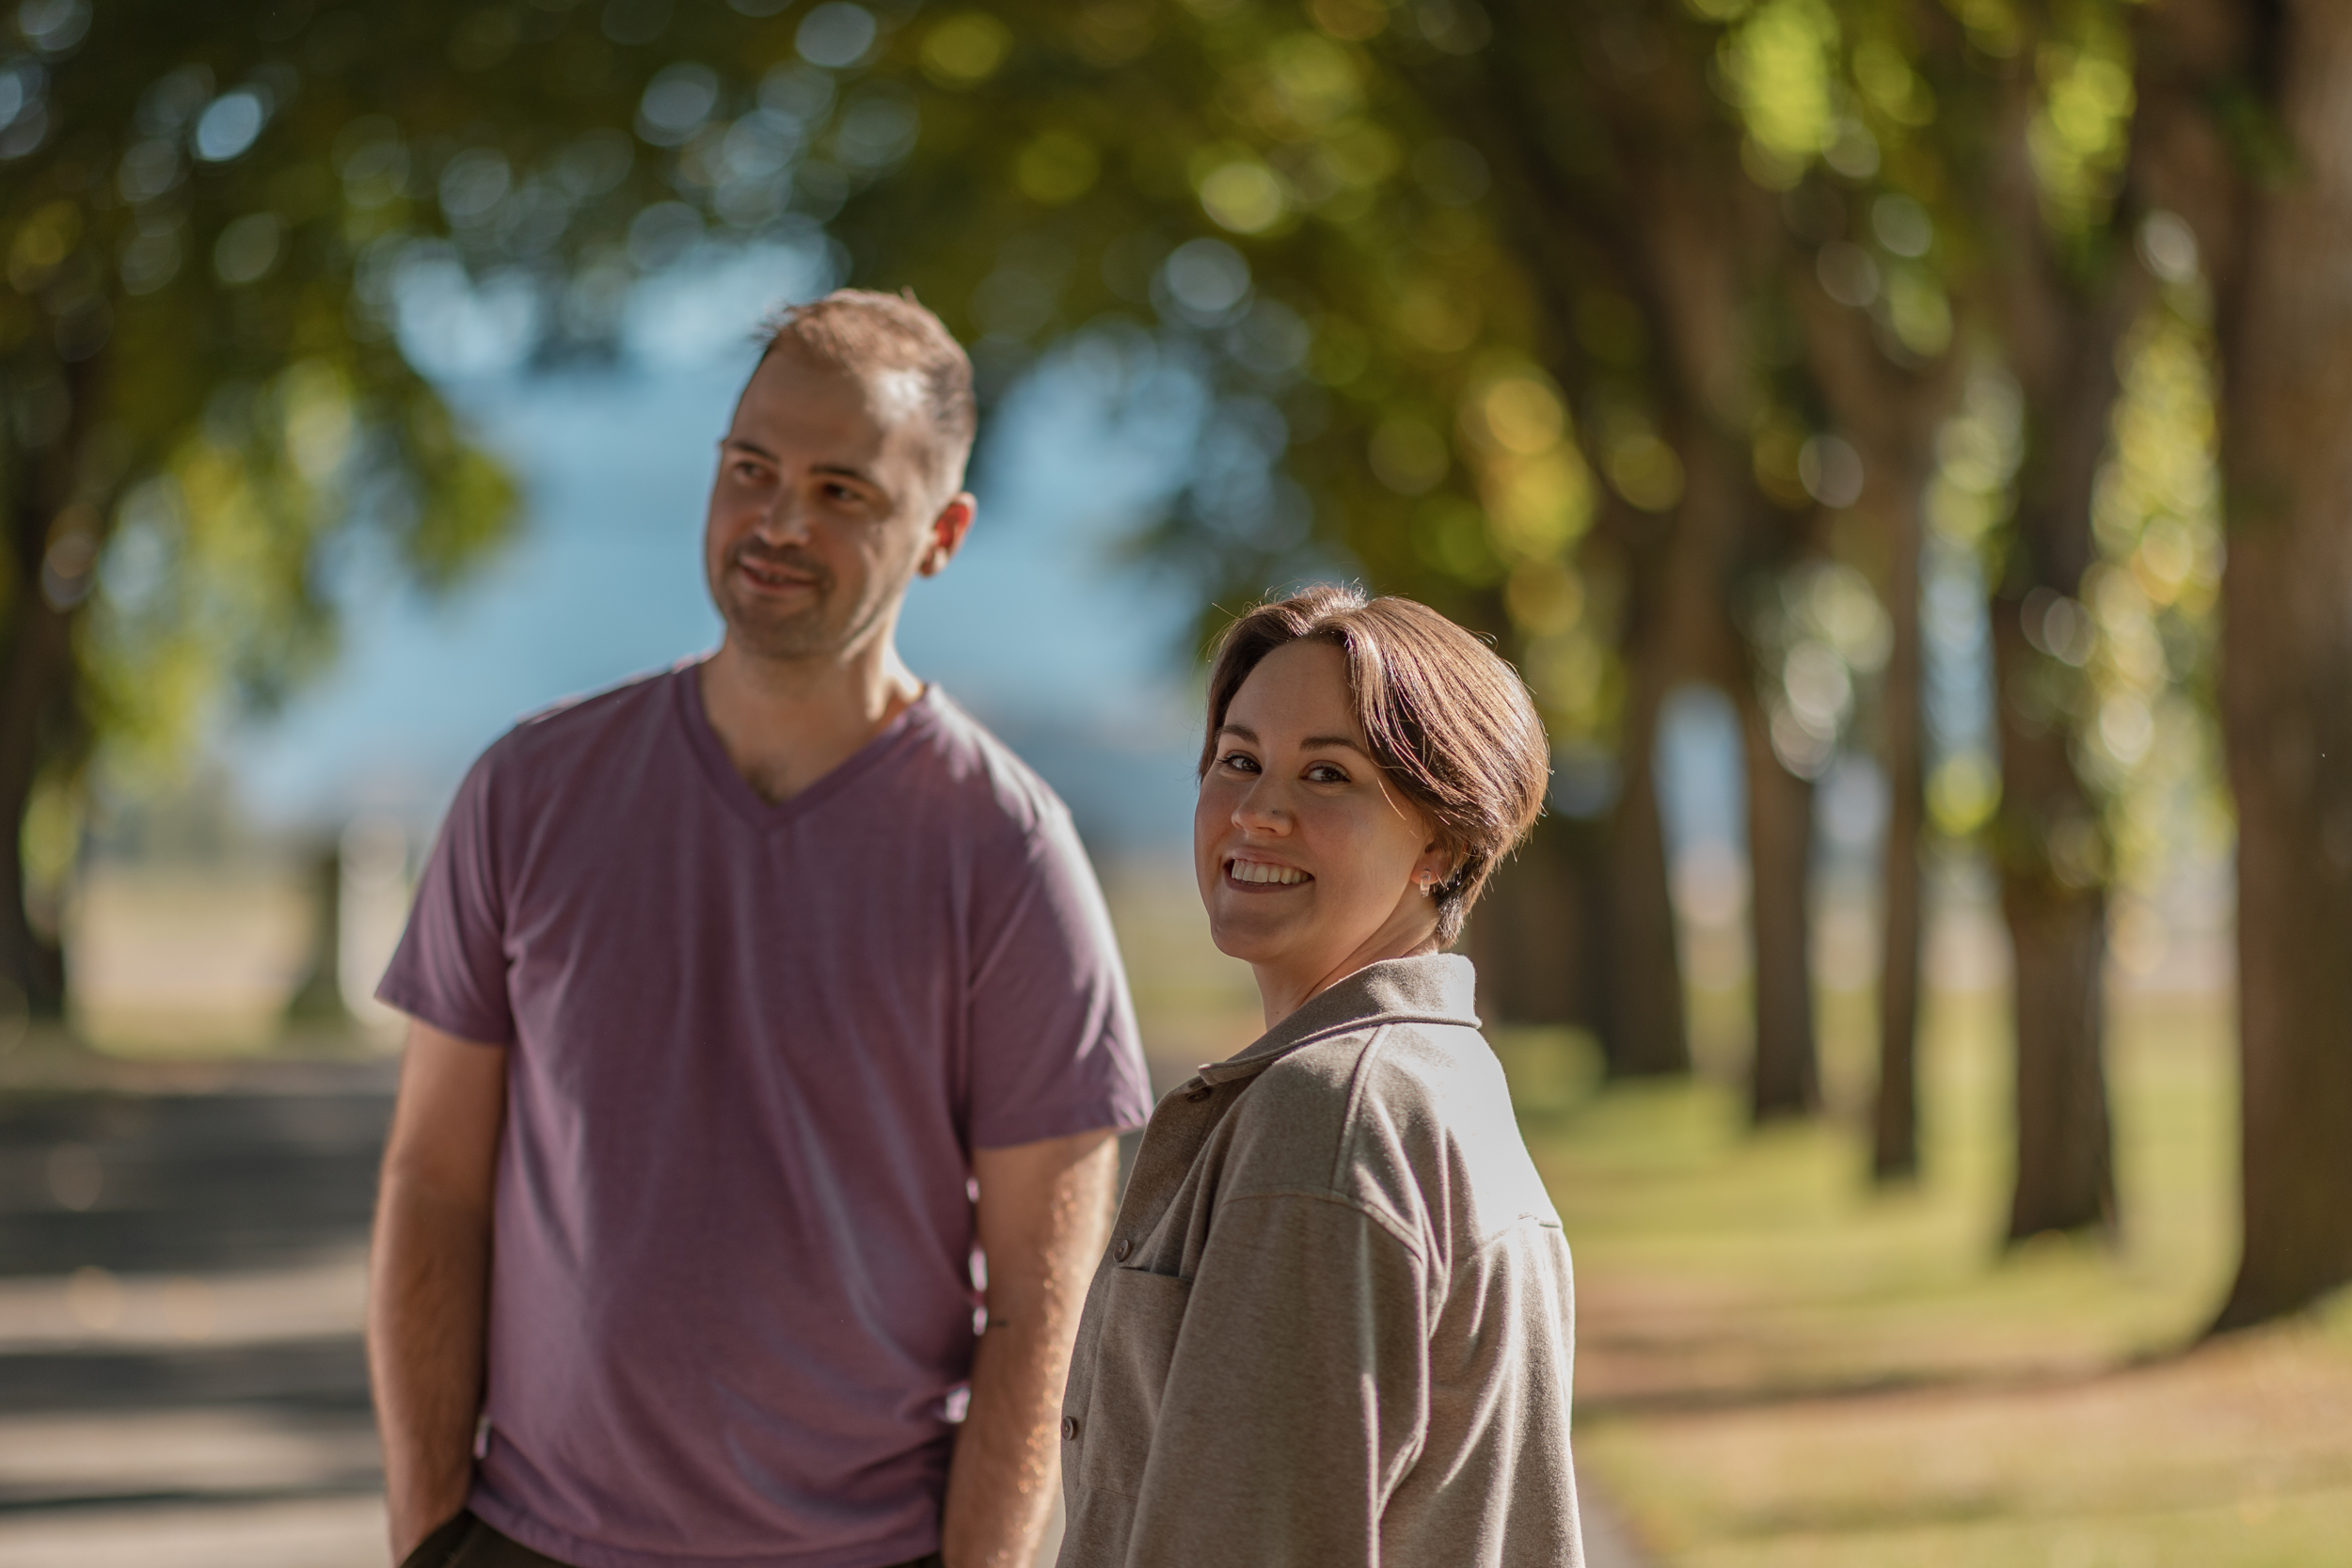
[[746, 998]]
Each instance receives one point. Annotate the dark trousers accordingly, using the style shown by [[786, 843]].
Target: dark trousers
[[466, 1541]]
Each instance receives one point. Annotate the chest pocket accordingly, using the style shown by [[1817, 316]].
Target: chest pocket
[[1142, 1314]]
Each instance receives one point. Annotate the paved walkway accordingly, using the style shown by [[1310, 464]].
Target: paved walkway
[[180, 1288], [181, 1280]]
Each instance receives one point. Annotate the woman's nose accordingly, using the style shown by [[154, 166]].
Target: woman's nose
[[1263, 806]]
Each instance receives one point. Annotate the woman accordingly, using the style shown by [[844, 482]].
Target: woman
[[1333, 1323]]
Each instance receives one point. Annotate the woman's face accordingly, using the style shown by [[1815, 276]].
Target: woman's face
[[1309, 861]]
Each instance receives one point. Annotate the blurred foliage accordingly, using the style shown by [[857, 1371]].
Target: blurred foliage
[[1419, 268], [1492, 304], [2151, 738], [1968, 502], [1430, 276], [1283, 203], [202, 400], [1433, 278]]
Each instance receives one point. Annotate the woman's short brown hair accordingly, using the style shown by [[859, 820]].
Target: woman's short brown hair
[[1449, 722]]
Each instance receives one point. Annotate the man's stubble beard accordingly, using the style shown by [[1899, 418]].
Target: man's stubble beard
[[812, 635]]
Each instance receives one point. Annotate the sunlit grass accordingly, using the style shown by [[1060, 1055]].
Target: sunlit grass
[[1779, 1366]]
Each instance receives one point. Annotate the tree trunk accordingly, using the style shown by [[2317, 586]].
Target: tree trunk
[[2273, 239], [321, 995], [1786, 1078], [2065, 1176], [1639, 196], [2063, 331], [1894, 1120], [40, 661], [37, 677], [2047, 845], [1891, 415], [1535, 935], [1645, 1035]]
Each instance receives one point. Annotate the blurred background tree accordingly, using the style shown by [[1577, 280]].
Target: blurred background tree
[[1666, 343], [1512, 323], [202, 391], [2237, 108]]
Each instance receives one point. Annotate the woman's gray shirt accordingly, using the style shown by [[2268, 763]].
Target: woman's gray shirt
[[1335, 1322]]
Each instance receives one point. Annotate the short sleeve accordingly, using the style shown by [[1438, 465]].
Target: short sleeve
[[450, 969], [1054, 1045]]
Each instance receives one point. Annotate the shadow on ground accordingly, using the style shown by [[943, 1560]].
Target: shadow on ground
[[181, 1278]]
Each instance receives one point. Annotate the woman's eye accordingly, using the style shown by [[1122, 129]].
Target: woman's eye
[[1324, 772], [1241, 762]]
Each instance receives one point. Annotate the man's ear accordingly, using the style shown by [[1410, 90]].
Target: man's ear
[[947, 533]]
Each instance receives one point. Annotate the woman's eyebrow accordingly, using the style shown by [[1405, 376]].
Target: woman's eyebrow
[[1311, 743]]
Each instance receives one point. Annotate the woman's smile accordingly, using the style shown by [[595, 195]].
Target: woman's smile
[[1262, 876]]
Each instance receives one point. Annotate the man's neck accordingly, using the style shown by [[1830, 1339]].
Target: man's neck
[[785, 724]]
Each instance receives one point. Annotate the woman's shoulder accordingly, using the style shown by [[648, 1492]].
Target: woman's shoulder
[[1370, 1112]]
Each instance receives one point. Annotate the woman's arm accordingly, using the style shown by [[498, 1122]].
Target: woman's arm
[[1297, 1395]]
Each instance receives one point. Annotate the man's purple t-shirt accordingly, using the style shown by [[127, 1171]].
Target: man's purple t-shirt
[[753, 1046]]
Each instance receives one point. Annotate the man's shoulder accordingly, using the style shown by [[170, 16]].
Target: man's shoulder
[[556, 741], [562, 731], [984, 777]]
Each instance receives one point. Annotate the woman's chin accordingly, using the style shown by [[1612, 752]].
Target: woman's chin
[[1252, 941], [1247, 946]]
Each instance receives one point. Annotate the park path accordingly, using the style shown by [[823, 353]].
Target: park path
[[182, 1281], [182, 1278]]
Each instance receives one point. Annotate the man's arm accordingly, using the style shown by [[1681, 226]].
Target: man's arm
[[1044, 1215], [429, 1275]]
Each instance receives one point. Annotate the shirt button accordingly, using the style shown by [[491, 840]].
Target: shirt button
[[1068, 1428], [1122, 1249]]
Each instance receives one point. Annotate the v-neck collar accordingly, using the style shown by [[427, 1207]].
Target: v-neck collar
[[747, 802]]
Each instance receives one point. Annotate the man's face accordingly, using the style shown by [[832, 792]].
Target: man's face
[[828, 501]]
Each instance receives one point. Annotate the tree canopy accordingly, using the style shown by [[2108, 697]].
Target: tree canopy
[[1660, 340]]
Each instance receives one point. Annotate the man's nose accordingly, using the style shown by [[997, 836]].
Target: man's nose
[[782, 521]]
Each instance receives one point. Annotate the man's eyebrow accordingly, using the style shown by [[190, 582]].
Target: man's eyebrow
[[846, 470]]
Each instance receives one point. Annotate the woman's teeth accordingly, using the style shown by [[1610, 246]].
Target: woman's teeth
[[1259, 871]]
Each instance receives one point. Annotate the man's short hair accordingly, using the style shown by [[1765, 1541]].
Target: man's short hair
[[860, 331]]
